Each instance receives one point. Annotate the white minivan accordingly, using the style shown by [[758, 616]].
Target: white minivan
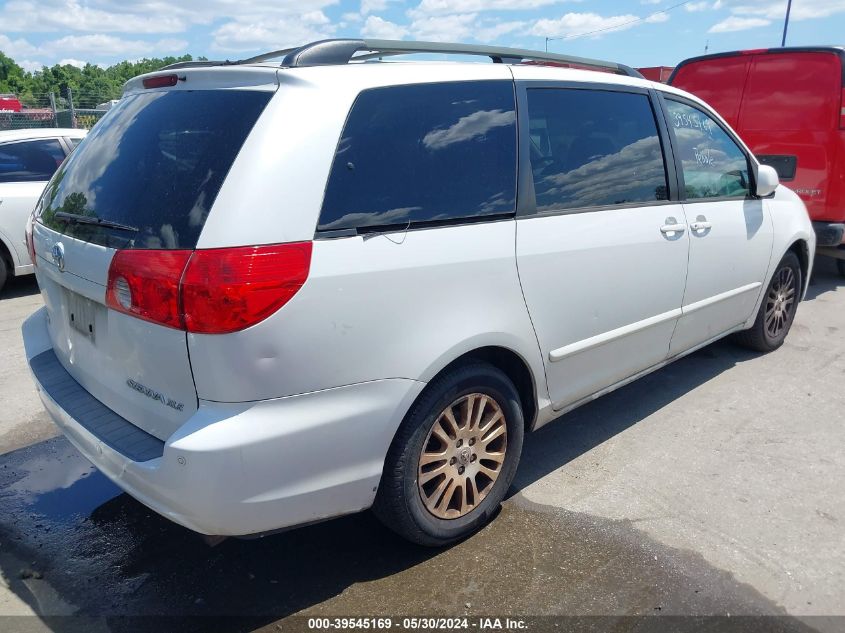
[[318, 281]]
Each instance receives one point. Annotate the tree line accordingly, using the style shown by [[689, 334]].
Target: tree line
[[91, 81]]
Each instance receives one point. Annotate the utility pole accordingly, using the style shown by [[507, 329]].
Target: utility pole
[[547, 44], [786, 22]]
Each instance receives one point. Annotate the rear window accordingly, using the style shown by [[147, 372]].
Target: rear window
[[424, 153], [154, 164]]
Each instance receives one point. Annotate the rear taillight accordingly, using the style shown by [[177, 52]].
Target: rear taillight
[[30, 242], [210, 291], [229, 289], [145, 284]]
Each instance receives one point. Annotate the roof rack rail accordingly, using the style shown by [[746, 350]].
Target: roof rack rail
[[342, 51]]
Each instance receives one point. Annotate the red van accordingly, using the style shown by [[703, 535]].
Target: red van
[[788, 105], [9, 103]]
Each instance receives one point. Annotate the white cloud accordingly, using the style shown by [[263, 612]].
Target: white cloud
[[491, 32], [279, 33], [109, 45], [72, 62], [29, 65], [370, 6], [800, 10], [756, 13], [16, 47], [577, 23], [379, 28], [657, 18], [446, 28], [694, 7], [71, 15], [734, 23], [446, 7]]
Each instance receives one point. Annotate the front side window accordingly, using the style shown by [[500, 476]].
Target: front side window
[[30, 161], [593, 148], [424, 153], [713, 164]]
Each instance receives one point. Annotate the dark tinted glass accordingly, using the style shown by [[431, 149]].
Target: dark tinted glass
[[424, 153], [593, 148], [155, 162], [713, 165], [30, 161]]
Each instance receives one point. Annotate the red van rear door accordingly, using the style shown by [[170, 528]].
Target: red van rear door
[[790, 112], [720, 81]]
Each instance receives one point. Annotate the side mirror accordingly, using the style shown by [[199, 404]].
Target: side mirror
[[767, 180]]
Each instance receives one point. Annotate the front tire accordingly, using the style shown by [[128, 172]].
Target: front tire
[[777, 311], [453, 457]]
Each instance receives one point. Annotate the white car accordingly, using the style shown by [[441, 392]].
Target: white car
[[28, 159], [313, 282]]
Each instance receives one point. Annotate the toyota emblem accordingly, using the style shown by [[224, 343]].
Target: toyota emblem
[[58, 254]]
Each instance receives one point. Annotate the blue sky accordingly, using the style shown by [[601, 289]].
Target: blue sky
[[635, 32]]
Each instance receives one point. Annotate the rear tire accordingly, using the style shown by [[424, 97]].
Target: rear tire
[[777, 310], [840, 266], [453, 457]]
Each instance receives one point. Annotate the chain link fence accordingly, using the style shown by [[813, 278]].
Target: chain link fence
[[67, 110]]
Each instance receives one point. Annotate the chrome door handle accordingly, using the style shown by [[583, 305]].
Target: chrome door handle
[[673, 228], [700, 226]]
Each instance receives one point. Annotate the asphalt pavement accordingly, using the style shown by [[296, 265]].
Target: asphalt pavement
[[712, 487]]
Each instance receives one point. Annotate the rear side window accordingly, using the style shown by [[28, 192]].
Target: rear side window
[[592, 148], [713, 165], [30, 161], [154, 163], [424, 153]]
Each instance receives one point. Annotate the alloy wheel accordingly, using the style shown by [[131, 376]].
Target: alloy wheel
[[780, 302], [462, 456]]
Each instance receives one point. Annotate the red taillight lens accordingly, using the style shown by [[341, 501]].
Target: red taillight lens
[[212, 291], [145, 284], [30, 242], [229, 289], [160, 81]]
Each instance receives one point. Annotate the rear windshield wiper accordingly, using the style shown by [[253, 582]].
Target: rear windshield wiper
[[75, 218]]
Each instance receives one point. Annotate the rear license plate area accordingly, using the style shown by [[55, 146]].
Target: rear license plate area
[[82, 315]]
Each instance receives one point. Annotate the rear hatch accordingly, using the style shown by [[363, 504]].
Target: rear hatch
[[144, 180]]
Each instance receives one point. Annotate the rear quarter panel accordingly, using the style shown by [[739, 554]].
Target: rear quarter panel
[[399, 305]]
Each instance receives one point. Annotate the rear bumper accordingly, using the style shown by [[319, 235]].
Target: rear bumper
[[237, 469], [829, 233]]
